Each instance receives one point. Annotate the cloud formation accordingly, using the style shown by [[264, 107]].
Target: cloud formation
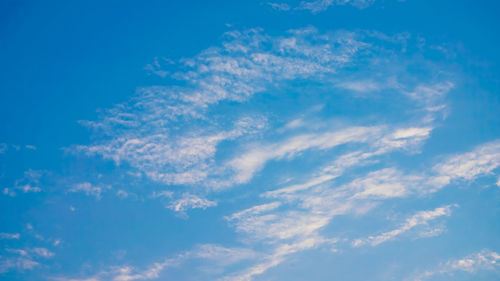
[[484, 260], [420, 218]]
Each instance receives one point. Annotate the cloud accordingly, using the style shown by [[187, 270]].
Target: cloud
[[156, 67], [122, 194], [222, 255], [177, 136], [365, 86], [30, 182], [23, 259], [3, 148], [165, 133], [43, 252], [482, 160], [89, 189], [162, 194], [279, 6], [30, 147], [250, 162], [28, 188], [190, 201], [4, 235], [20, 264], [215, 255], [322, 5], [420, 218], [480, 261]]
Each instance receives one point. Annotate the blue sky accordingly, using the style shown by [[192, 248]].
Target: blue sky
[[250, 140]]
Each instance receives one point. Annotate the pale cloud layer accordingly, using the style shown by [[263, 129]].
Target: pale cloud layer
[[217, 256], [190, 201], [4, 235], [175, 136], [420, 218], [482, 160], [89, 189], [318, 6], [485, 260]]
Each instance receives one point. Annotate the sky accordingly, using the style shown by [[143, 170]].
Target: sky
[[250, 140]]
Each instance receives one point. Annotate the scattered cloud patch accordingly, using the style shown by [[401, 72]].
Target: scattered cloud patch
[[420, 218], [467, 166], [190, 201], [318, 6], [485, 260], [89, 189], [279, 6], [20, 264], [122, 194], [43, 252], [4, 235]]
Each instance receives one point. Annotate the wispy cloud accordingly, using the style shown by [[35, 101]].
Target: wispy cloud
[[43, 252], [215, 255], [175, 136], [89, 189], [21, 264], [3, 148], [252, 161], [151, 132], [420, 218], [482, 160], [30, 182], [279, 6], [485, 260], [323, 5], [23, 259], [4, 235], [190, 201]]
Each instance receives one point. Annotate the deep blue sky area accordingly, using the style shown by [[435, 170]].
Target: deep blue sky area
[[249, 140]]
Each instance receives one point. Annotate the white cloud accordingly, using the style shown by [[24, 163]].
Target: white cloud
[[43, 252], [128, 273], [122, 193], [8, 192], [28, 188], [151, 133], [30, 147], [29, 183], [173, 136], [3, 148], [23, 259], [364, 86], [276, 257], [252, 161], [21, 264], [162, 194], [322, 5], [420, 218], [480, 261], [279, 6], [215, 255], [190, 201], [482, 160], [156, 67], [223, 255], [4, 235], [89, 189]]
